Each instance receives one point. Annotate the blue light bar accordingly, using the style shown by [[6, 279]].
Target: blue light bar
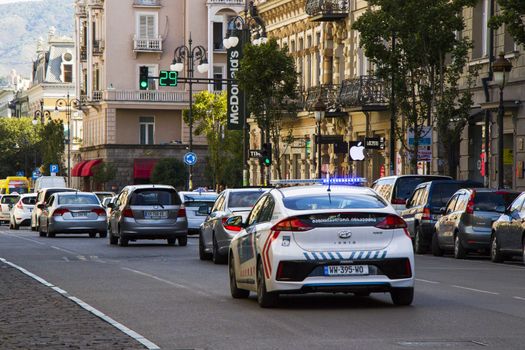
[[349, 181]]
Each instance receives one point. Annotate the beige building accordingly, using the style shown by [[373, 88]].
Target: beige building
[[126, 126], [332, 68]]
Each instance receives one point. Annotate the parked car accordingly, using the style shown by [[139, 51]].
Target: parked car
[[423, 209], [41, 198], [49, 182], [21, 212], [508, 233], [198, 204], [466, 224], [214, 238], [397, 189], [7, 202], [101, 195], [148, 212], [72, 212]]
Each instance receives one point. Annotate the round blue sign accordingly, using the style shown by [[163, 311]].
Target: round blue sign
[[190, 158]]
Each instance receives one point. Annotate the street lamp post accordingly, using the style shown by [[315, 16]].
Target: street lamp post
[[501, 68], [319, 112], [189, 54], [68, 104], [41, 115]]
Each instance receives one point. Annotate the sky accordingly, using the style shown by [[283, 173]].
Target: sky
[[2, 2]]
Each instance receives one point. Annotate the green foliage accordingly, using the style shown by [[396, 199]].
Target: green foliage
[[267, 76], [224, 146], [52, 147], [424, 36], [104, 172], [170, 171], [512, 14]]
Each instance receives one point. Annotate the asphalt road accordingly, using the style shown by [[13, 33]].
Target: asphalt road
[[177, 301]]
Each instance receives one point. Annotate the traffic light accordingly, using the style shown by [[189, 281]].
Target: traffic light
[[143, 80], [266, 154]]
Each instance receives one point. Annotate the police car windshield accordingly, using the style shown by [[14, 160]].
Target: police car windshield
[[333, 201]]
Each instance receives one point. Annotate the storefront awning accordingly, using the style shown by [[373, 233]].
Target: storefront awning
[[143, 168], [77, 169], [88, 167]]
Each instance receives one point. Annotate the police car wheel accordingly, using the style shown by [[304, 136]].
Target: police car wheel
[[236, 292], [264, 298], [402, 296]]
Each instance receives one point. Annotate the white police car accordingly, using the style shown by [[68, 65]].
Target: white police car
[[321, 239]]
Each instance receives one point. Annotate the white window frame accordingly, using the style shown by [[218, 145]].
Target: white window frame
[[146, 138], [63, 75], [155, 25], [223, 72]]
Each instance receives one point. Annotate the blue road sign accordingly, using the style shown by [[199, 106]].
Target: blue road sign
[[53, 168], [20, 173], [190, 158], [36, 174]]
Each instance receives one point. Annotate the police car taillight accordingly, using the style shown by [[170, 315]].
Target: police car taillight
[[391, 222], [291, 224]]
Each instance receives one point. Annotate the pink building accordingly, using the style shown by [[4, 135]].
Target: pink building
[[123, 125]]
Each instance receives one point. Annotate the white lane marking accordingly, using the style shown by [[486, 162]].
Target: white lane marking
[[519, 298], [178, 285], [426, 281], [147, 343], [81, 257], [476, 290], [64, 250]]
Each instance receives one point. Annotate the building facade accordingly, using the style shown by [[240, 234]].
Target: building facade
[[123, 125]]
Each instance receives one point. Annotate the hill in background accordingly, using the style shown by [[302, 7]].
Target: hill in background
[[22, 23]]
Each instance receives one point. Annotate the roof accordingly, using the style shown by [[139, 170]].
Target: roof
[[51, 61]]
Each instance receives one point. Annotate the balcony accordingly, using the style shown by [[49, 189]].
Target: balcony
[[146, 96], [366, 93], [328, 93], [96, 3], [146, 3], [326, 10], [98, 47], [225, 2], [147, 44], [83, 54]]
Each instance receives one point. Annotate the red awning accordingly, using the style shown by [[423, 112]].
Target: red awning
[[143, 168], [88, 167], [78, 168]]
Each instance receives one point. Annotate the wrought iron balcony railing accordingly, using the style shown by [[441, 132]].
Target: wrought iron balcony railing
[[98, 47], [364, 91], [327, 10], [327, 93]]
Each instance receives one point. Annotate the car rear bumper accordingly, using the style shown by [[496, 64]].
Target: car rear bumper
[[152, 232], [478, 238], [78, 227], [5, 216]]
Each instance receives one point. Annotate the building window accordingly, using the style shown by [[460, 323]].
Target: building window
[[217, 36], [217, 76], [147, 26], [67, 71], [480, 29], [147, 130]]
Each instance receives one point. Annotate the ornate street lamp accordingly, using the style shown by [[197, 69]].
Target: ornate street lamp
[[190, 55], [319, 113], [41, 115], [501, 69], [68, 104]]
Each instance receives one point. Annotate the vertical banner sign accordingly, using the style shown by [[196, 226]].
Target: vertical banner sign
[[235, 112]]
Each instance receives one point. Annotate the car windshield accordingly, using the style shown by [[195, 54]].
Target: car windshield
[[9, 199], [29, 200], [493, 201], [155, 197], [199, 200], [333, 201], [406, 185], [441, 193], [243, 199], [55, 190], [77, 199]]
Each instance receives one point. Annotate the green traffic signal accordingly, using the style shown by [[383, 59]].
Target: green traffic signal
[[143, 84], [143, 78], [267, 161]]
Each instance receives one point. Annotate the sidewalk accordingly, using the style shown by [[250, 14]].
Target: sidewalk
[[33, 316]]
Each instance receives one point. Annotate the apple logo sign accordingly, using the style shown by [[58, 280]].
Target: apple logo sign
[[357, 152]]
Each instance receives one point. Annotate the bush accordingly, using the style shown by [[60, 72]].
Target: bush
[[170, 171]]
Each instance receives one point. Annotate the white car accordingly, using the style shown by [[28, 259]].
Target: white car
[[321, 239], [21, 212], [7, 202]]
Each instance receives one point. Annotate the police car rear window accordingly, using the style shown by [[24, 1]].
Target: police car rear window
[[333, 201]]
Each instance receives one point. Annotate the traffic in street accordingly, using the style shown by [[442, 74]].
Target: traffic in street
[[177, 301]]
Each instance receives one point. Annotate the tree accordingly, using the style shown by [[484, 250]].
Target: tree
[[103, 173], [170, 171], [224, 146], [20, 143], [512, 14], [52, 145], [268, 78], [424, 33]]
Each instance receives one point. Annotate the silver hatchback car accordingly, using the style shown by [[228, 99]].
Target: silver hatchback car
[[215, 235], [148, 212]]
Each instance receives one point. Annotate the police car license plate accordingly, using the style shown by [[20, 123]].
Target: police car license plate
[[345, 270], [158, 214]]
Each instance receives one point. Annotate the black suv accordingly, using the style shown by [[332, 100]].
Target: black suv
[[423, 208]]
